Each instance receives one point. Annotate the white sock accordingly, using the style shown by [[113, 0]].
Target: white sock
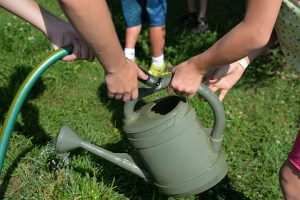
[[159, 61], [129, 53]]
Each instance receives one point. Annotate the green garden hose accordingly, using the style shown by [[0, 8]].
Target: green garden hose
[[21, 96]]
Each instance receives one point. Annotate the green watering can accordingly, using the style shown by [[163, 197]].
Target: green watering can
[[172, 149]]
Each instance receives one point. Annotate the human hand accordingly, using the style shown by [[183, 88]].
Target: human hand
[[123, 84], [186, 79], [63, 34], [224, 78]]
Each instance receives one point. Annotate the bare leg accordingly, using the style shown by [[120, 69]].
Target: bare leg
[[202, 24], [132, 34], [191, 18], [157, 40], [191, 6], [202, 9], [289, 178]]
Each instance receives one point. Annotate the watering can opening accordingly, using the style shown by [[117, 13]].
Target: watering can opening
[[167, 104]]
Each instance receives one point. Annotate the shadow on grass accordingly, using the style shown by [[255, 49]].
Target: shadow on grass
[[134, 187], [223, 190], [8, 175], [30, 127]]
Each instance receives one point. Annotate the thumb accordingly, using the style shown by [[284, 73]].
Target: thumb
[[54, 46], [141, 74], [222, 94], [56, 42]]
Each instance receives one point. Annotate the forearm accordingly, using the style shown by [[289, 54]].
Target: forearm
[[252, 34], [92, 20], [254, 54], [31, 12]]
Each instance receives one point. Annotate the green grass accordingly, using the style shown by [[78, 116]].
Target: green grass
[[261, 116]]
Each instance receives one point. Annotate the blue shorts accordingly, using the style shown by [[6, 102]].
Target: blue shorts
[[133, 11]]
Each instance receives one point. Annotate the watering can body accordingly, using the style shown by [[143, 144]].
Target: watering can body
[[174, 147]]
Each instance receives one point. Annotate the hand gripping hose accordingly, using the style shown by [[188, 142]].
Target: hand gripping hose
[[21, 95]]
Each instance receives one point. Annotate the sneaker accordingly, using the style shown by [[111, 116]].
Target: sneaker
[[160, 71], [201, 26]]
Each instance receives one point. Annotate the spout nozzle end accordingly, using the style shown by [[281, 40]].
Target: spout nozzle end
[[67, 140]]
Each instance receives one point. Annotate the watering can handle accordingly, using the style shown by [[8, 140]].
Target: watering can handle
[[210, 97]]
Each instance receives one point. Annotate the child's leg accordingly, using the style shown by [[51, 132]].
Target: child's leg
[[157, 10], [157, 40], [202, 9], [132, 11], [290, 173], [132, 34], [191, 18], [191, 6], [202, 24]]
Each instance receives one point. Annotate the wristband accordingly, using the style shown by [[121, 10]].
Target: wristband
[[243, 62]]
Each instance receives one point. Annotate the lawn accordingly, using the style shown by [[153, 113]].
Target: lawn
[[262, 111]]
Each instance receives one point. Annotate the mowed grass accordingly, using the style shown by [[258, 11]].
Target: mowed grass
[[261, 115]]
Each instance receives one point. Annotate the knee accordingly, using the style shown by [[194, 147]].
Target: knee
[[283, 176], [289, 181]]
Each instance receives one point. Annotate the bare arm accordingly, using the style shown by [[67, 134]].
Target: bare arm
[[252, 33], [92, 20], [59, 32], [249, 35], [28, 10]]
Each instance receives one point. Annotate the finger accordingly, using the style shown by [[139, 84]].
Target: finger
[[57, 43], [91, 56], [142, 74], [222, 94], [213, 88], [110, 95], [84, 51], [69, 58], [170, 90], [54, 46], [190, 96], [76, 52], [135, 94], [126, 97], [77, 48], [219, 84], [118, 96]]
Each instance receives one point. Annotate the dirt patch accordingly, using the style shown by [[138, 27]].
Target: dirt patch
[[14, 185]]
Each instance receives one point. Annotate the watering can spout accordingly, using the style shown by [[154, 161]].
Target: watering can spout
[[68, 140]]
